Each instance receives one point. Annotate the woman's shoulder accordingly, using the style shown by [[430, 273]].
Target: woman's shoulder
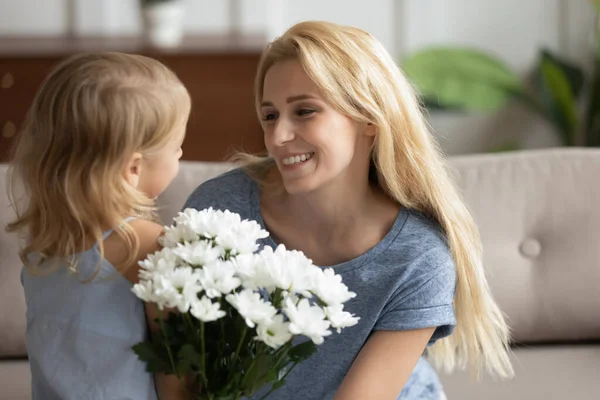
[[423, 230], [231, 190], [422, 238]]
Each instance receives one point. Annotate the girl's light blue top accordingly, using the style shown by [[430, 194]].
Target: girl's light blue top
[[80, 335]]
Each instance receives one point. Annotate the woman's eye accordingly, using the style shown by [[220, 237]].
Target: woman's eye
[[269, 117], [305, 112]]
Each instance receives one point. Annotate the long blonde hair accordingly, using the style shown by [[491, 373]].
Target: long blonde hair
[[66, 177], [361, 80]]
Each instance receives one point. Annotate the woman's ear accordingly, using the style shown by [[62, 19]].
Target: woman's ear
[[133, 169]]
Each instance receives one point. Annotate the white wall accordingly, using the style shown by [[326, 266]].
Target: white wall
[[512, 29]]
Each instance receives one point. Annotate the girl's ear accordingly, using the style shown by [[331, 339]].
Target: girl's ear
[[133, 169], [370, 129]]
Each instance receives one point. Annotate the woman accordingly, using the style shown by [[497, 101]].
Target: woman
[[354, 180]]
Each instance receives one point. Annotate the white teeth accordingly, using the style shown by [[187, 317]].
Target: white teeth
[[297, 159]]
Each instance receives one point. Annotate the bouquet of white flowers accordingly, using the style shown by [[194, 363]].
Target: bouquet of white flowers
[[234, 311]]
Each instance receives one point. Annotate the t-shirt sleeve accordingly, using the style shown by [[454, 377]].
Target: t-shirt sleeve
[[229, 191], [424, 299], [204, 196]]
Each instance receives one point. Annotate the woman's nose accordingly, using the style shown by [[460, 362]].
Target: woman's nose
[[283, 132]]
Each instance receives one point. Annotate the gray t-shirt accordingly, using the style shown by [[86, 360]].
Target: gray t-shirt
[[407, 281]]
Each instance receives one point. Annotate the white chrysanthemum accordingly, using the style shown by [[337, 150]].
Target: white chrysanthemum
[[198, 253], [339, 318], [176, 234], [293, 297], [251, 232], [212, 253], [246, 266], [208, 222], [203, 223], [251, 307], [157, 263], [205, 310], [287, 270], [218, 278], [227, 228], [144, 290], [177, 288], [274, 333], [328, 287], [308, 320], [242, 238]]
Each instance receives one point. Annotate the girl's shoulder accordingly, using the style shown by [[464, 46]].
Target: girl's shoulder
[[116, 250]]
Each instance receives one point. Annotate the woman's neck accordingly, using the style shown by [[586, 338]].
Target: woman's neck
[[332, 209], [338, 211], [330, 226]]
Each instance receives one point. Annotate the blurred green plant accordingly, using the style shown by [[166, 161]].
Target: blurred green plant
[[472, 80], [145, 3]]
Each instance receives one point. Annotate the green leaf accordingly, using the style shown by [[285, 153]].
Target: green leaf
[[596, 4], [152, 356], [190, 360], [558, 99], [278, 384], [546, 98], [258, 374], [465, 78], [302, 351], [434, 105], [573, 73], [508, 146], [281, 356], [556, 85], [592, 128]]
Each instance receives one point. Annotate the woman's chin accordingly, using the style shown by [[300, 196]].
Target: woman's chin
[[299, 185]]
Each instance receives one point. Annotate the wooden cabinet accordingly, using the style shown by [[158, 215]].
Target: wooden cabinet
[[218, 72]]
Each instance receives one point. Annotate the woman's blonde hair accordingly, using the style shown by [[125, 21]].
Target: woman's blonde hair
[[360, 79], [66, 178]]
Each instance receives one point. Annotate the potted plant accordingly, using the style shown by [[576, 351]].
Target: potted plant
[[465, 79], [163, 22]]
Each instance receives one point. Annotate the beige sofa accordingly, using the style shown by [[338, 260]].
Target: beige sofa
[[539, 214]]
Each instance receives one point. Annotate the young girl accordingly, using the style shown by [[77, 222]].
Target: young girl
[[101, 141], [354, 179]]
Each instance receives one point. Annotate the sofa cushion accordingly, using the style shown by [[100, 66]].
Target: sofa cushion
[[540, 222], [539, 217], [15, 380], [191, 174], [12, 299], [544, 372]]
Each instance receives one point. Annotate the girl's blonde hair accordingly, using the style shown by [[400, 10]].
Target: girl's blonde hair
[[66, 178], [359, 78]]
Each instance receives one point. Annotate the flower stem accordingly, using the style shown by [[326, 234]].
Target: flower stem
[[164, 334], [237, 350], [203, 346], [242, 337], [190, 324]]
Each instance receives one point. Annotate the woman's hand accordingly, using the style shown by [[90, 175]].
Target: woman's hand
[[384, 365]]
